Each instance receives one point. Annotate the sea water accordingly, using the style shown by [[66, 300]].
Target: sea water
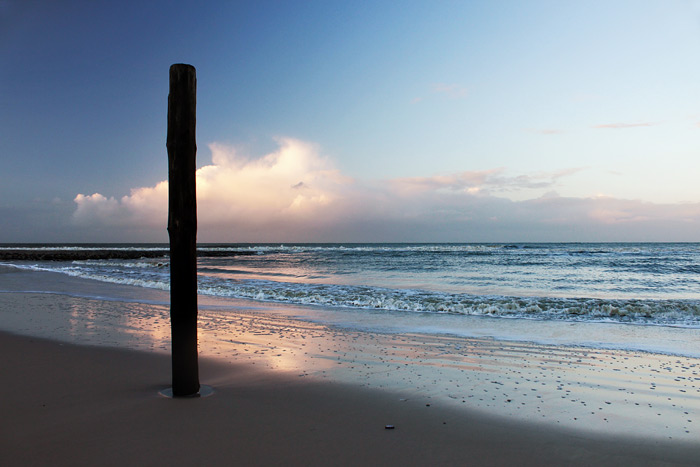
[[644, 296]]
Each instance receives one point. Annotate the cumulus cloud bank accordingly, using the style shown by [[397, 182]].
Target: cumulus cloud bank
[[235, 194], [296, 195]]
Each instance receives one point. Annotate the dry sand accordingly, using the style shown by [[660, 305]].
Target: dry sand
[[291, 392]]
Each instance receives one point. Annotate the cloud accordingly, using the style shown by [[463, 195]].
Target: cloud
[[585, 97], [545, 131], [453, 91], [286, 187], [479, 182], [144, 207], [295, 194], [618, 126]]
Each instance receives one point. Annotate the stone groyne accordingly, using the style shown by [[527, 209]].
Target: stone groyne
[[96, 254]]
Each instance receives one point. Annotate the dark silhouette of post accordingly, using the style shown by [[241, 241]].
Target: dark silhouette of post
[[182, 228]]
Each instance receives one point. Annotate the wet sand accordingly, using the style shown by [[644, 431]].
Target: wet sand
[[289, 391], [81, 405]]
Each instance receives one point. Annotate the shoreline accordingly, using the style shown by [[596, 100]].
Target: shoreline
[[601, 335], [86, 405], [643, 402], [595, 390]]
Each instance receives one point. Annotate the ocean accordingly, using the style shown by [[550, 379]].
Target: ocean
[[643, 296]]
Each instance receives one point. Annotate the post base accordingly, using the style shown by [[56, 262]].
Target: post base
[[204, 391]]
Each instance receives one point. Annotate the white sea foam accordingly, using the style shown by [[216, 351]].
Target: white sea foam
[[685, 313], [646, 284]]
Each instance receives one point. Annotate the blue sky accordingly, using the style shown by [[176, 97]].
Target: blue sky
[[355, 121]]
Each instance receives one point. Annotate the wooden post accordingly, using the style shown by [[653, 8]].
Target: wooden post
[[182, 228]]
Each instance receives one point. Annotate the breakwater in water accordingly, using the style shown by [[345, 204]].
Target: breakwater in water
[[102, 254]]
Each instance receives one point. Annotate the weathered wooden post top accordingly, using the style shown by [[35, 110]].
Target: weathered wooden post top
[[182, 228]]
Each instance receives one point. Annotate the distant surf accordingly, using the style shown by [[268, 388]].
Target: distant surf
[[634, 283]]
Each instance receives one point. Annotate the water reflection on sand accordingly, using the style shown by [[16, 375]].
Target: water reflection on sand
[[597, 389]]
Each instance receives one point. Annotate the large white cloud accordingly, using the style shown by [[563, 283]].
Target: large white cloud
[[292, 183], [295, 194], [144, 207], [293, 188]]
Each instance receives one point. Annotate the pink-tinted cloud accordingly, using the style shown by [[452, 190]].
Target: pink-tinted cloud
[[143, 207], [546, 131], [453, 91], [620, 126], [288, 186], [483, 182], [296, 195]]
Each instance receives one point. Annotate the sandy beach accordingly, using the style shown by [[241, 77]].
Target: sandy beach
[[80, 405], [292, 392]]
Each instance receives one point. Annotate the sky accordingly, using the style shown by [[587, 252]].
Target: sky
[[337, 121]]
